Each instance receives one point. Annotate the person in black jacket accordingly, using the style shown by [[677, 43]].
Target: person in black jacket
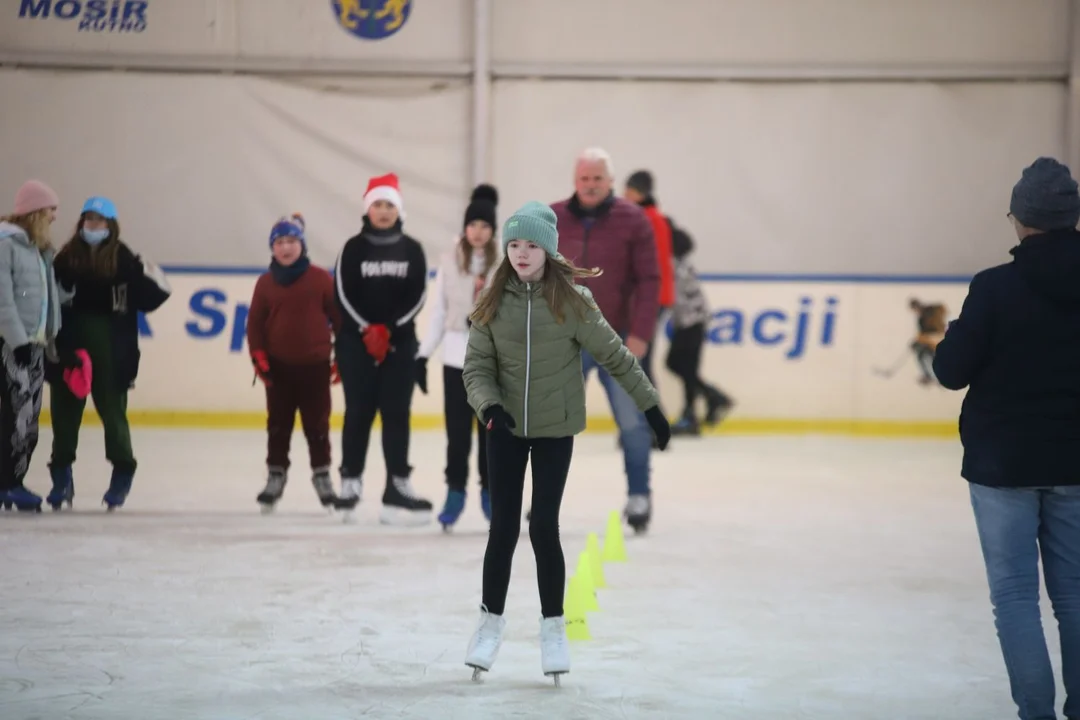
[[380, 285], [1016, 347], [111, 285]]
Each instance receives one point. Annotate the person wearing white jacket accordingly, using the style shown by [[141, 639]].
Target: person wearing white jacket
[[464, 270]]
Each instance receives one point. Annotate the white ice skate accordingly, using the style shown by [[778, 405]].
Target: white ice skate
[[485, 643], [351, 490], [554, 648]]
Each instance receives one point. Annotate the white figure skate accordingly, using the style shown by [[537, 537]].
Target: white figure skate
[[554, 648], [485, 643]]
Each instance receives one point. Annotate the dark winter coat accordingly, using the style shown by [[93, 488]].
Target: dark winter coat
[[137, 287], [1016, 346], [617, 238]]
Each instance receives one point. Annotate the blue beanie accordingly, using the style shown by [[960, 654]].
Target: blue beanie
[[1046, 197], [289, 225], [536, 223]]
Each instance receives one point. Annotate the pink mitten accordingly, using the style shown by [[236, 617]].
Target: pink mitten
[[79, 379]]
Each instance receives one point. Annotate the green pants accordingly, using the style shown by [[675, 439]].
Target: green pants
[[92, 333]]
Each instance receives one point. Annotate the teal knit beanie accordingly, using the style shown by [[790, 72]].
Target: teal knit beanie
[[536, 223]]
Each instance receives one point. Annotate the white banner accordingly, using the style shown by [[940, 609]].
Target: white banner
[[794, 356], [816, 178]]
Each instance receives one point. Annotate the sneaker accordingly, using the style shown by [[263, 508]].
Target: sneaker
[[485, 643]]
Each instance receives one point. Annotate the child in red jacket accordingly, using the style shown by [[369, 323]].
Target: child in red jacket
[[288, 333]]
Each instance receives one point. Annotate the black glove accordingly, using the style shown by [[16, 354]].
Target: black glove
[[495, 418], [659, 425], [22, 355], [421, 374]]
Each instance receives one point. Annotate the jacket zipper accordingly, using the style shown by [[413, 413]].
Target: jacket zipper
[[585, 245], [528, 354]]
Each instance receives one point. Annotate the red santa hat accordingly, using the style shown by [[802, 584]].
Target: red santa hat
[[384, 188]]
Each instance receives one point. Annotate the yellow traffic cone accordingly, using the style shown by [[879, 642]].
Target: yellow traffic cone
[[614, 547], [577, 624], [586, 587], [592, 546]]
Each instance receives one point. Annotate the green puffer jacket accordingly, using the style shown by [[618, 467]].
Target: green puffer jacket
[[531, 365]]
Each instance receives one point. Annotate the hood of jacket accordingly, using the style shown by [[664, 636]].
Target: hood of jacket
[[15, 232], [1050, 264]]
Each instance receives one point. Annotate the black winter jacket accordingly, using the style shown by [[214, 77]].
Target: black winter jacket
[[1016, 346], [137, 287]]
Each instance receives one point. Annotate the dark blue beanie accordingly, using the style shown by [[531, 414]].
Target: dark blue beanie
[[1046, 197]]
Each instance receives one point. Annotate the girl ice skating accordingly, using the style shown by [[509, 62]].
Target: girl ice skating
[[29, 323], [112, 285], [380, 285], [465, 269], [288, 333], [523, 376], [690, 316]]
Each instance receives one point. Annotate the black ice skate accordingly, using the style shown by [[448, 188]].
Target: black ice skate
[[402, 506], [638, 512], [275, 488]]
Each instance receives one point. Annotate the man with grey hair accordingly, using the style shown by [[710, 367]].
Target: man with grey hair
[[598, 229], [1016, 347]]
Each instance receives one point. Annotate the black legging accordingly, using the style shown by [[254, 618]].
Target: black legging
[[507, 458]]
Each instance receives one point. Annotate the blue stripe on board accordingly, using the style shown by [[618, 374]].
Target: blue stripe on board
[[869, 279]]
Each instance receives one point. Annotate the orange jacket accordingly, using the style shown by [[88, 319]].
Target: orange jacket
[[662, 235]]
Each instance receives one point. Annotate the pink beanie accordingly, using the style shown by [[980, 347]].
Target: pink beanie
[[34, 195]]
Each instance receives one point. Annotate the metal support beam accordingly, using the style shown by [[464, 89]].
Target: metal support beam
[[1072, 88], [238, 65], [1031, 72], [481, 90]]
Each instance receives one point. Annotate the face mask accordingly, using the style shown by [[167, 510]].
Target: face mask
[[94, 236]]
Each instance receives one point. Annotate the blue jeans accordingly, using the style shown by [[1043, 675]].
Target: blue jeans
[[634, 430], [1015, 525]]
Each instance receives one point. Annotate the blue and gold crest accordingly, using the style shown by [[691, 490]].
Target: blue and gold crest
[[371, 19]]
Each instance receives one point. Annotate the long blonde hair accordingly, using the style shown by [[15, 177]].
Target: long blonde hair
[[36, 225], [557, 287]]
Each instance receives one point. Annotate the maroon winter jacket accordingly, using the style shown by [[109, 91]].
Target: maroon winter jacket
[[617, 238]]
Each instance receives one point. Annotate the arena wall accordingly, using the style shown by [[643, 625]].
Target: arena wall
[[837, 156]]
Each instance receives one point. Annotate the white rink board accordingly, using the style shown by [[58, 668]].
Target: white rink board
[[195, 359]]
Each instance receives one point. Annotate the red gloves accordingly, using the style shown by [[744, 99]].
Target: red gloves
[[79, 378], [262, 366], [377, 341], [335, 376]]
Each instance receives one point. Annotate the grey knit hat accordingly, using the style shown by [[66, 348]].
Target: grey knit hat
[[535, 222], [1046, 197]]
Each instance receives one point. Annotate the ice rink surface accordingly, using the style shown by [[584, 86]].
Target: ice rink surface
[[782, 578]]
